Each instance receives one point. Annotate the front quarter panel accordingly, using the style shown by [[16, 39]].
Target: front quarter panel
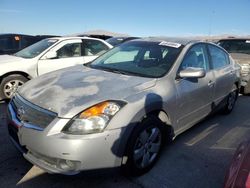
[[138, 106], [28, 66]]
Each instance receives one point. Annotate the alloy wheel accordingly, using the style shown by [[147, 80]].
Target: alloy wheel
[[147, 147], [11, 87]]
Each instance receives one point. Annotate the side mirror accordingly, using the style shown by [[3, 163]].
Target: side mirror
[[51, 55], [192, 72]]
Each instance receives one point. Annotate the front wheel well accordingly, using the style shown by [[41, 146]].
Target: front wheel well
[[15, 72], [166, 121]]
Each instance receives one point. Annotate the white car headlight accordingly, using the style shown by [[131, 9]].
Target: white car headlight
[[93, 119]]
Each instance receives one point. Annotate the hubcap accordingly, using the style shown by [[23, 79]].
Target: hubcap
[[11, 87], [147, 147], [231, 100]]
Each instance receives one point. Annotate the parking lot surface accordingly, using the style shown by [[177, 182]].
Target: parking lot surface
[[198, 158]]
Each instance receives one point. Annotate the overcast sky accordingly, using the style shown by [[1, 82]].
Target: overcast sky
[[134, 17]]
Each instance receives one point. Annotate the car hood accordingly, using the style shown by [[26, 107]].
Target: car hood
[[69, 91], [9, 59], [241, 58]]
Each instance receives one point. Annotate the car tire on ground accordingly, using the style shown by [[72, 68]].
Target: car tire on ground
[[230, 101], [10, 84], [144, 146]]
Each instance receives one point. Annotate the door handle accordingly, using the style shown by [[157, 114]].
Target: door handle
[[210, 83]]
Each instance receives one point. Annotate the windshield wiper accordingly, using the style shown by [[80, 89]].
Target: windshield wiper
[[113, 70]]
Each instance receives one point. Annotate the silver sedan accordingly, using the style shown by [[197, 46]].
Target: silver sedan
[[120, 109]]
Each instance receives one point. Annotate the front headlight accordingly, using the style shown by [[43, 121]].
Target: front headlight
[[93, 119]]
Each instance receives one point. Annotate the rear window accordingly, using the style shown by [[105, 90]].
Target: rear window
[[236, 46], [218, 56]]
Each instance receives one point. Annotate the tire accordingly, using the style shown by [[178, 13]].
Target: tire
[[230, 101], [144, 146], [10, 84]]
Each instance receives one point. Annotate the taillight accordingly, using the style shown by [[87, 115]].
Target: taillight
[[247, 185]]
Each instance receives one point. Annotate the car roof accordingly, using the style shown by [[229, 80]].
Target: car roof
[[67, 38], [182, 41]]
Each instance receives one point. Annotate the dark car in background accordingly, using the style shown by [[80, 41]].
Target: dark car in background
[[12, 43], [239, 49], [114, 41]]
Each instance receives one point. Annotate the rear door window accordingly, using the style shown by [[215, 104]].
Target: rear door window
[[219, 58], [93, 47]]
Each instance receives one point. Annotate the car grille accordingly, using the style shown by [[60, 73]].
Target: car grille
[[31, 114]]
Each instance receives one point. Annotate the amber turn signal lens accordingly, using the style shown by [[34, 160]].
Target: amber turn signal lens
[[17, 38], [95, 110]]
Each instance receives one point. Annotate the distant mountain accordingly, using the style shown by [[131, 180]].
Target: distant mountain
[[102, 32], [212, 38], [200, 37]]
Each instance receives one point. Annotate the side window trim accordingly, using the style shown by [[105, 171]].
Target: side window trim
[[209, 58]]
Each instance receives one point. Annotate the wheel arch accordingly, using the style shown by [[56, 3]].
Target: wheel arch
[[26, 75], [167, 128], [3, 77]]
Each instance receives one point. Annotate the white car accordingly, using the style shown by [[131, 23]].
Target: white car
[[46, 56]]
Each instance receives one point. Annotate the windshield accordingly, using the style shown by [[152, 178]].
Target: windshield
[[141, 58], [36, 49], [236, 46]]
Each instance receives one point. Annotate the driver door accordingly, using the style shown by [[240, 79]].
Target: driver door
[[194, 95]]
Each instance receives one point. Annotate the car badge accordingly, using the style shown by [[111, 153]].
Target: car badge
[[21, 113]]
